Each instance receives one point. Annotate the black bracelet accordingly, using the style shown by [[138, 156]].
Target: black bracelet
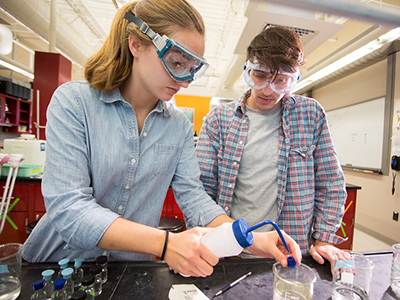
[[165, 245]]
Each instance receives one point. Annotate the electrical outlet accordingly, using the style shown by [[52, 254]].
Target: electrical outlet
[[395, 216]]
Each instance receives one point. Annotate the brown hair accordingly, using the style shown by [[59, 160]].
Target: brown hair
[[111, 65], [278, 48]]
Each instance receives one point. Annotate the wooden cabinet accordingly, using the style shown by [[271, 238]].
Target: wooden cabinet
[[26, 206], [15, 114], [346, 229]]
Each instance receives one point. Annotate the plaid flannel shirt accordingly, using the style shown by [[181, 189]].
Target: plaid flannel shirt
[[311, 184]]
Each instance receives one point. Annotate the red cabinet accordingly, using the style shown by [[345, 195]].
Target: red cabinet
[[30, 207], [346, 229], [26, 206]]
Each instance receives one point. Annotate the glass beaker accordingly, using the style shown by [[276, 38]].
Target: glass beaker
[[395, 274], [10, 270], [351, 276], [295, 283]]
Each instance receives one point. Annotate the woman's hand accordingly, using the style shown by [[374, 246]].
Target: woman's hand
[[186, 255], [268, 244]]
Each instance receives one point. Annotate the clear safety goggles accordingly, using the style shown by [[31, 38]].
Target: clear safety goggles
[[180, 63], [258, 78]]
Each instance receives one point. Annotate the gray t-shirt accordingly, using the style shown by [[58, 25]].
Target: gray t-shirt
[[256, 189]]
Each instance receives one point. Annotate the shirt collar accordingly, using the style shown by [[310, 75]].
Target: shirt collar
[[287, 100], [115, 95]]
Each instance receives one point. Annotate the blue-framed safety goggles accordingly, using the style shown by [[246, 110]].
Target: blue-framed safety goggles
[[258, 77], [180, 63]]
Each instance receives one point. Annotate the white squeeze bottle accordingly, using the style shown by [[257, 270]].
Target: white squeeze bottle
[[228, 239]]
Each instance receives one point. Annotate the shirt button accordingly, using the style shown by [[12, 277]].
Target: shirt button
[[230, 185], [235, 163], [226, 208], [127, 187], [133, 161], [120, 207], [241, 142], [144, 133]]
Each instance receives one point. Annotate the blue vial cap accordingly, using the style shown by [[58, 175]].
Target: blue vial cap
[[48, 274], [67, 272], [78, 262], [244, 238], [291, 262], [38, 284], [59, 284], [63, 263]]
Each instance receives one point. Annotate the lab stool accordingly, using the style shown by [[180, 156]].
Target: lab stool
[[171, 224]]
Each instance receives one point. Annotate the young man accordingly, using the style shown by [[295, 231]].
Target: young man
[[269, 156]]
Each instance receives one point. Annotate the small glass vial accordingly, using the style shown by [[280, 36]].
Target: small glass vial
[[69, 284], [63, 263], [96, 270], [87, 286], [39, 292], [79, 295], [48, 284], [59, 292], [102, 261], [78, 272]]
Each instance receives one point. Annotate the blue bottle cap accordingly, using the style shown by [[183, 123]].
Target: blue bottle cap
[[244, 238], [38, 284], [291, 262], [63, 263], [47, 274], [59, 284], [78, 262], [67, 272]]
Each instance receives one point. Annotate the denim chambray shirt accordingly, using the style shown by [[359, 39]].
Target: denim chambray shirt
[[99, 168]]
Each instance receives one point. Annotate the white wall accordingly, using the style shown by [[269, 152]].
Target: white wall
[[375, 202]]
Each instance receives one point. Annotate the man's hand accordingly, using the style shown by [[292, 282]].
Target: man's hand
[[321, 251], [268, 244]]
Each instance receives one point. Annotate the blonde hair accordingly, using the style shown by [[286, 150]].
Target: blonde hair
[[111, 65]]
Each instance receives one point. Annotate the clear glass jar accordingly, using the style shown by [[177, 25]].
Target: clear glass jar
[[48, 284], [59, 292], [98, 286], [69, 284], [87, 286], [102, 261], [63, 263], [39, 292], [78, 273], [79, 295]]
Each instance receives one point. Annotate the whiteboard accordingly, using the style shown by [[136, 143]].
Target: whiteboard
[[358, 134]]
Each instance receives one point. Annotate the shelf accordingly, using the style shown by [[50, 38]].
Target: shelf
[[15, 114]]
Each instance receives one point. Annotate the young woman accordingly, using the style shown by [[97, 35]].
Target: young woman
[[116, 143]]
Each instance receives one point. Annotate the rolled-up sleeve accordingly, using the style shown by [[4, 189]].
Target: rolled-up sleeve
[[66, 186]]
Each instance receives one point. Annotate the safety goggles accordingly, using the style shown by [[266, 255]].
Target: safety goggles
[[258, 77], [180, 63]]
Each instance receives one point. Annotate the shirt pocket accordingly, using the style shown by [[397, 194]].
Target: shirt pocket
[[305, 151], [165, 159], [301, 161]]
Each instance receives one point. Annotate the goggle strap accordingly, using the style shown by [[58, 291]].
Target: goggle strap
[[142, 26]]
